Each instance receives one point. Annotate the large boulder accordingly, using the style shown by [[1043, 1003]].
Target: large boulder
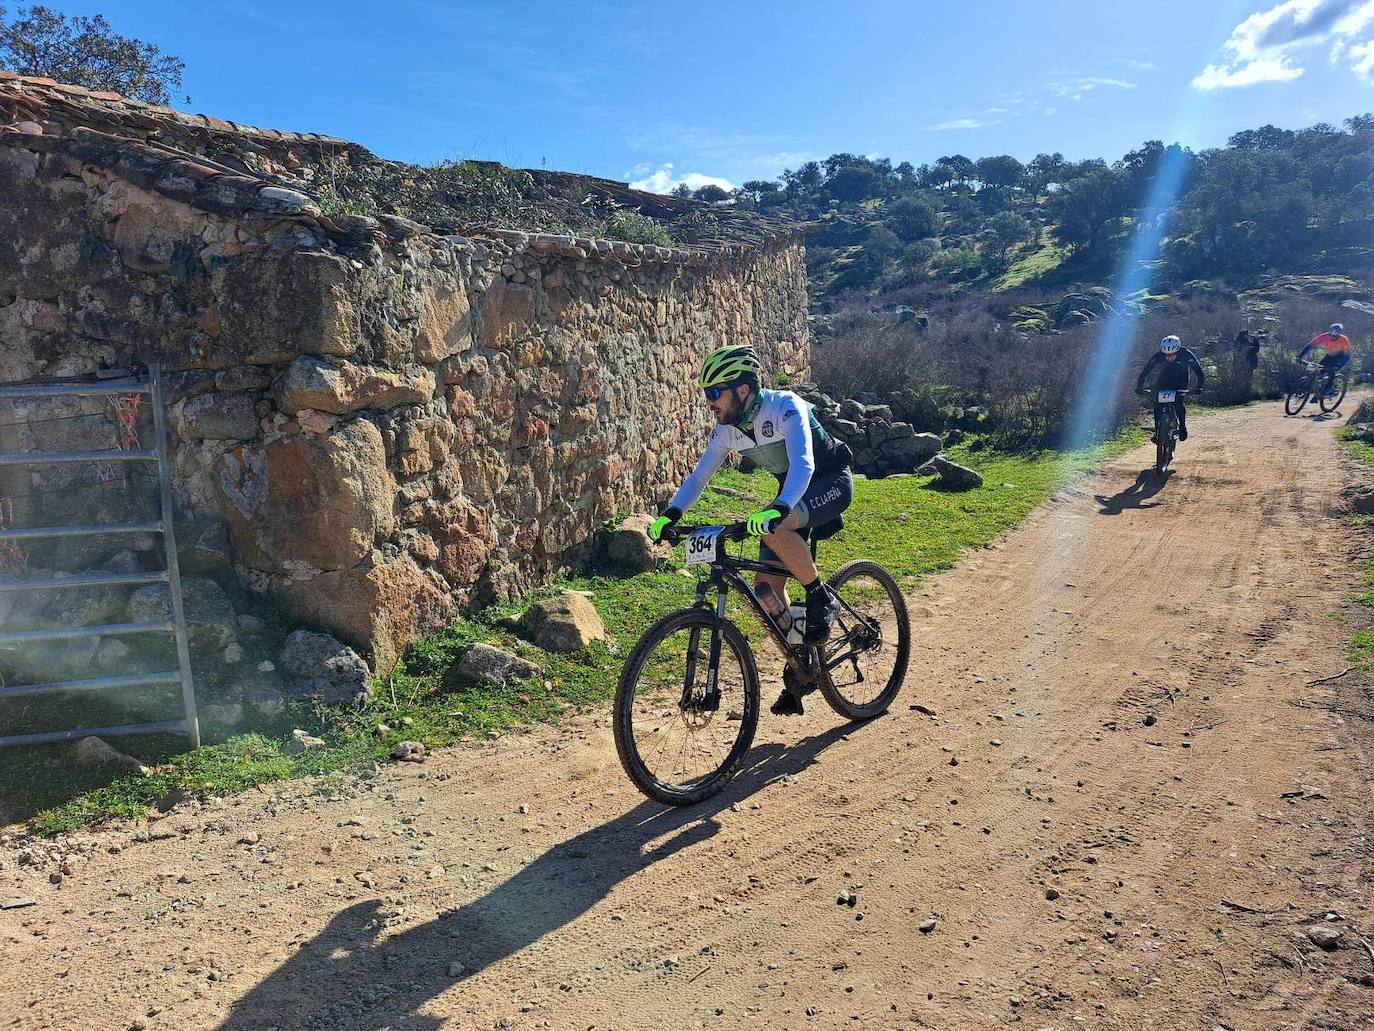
[[324, 667], [203, 547], [952, 475], [221, 416], [630, 549], [378, 606], [211, 623], [493, 667], [339, 387], [907, 454], [318, 500], [566, 622]]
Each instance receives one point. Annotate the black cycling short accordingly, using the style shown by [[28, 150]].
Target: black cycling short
[[825, 497]]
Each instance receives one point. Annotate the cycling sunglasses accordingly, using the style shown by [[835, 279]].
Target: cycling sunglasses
[[713, 393]]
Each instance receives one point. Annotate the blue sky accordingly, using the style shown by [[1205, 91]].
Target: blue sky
[[735, 91]]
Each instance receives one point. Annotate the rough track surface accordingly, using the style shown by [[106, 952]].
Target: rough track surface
[[1083, 869]]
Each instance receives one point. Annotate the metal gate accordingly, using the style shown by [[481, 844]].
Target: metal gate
[[129, 384]]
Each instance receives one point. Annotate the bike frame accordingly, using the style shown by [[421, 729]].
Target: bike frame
[[726, 575]]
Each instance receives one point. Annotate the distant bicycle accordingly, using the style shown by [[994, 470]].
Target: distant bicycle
[[687, 703], [1309, 386], [1166, 425]]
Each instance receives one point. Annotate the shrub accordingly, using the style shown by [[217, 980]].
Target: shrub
[[634, 227]]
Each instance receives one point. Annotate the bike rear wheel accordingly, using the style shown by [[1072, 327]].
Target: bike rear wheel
[[1330, 404], [681, 734], [1162, 457], [1297, 398], [872, 640]]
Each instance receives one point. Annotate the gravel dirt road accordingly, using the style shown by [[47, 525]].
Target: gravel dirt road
[[1124, 804]]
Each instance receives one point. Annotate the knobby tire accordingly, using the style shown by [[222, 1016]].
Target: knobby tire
[[625, 742], [879, 704]]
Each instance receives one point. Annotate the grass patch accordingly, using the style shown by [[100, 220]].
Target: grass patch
[[1362, 644], [905, 524], [1032, 265]]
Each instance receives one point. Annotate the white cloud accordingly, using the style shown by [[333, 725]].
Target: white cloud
[[1361, 56], [956, 123], [1140, 66], [665, 180], [1078, 88], [1266, 46]]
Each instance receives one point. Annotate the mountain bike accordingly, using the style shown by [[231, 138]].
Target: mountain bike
[[1309, 386], [687, 703], [1166, 426]]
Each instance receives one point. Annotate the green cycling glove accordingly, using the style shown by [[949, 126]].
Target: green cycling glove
[[757, 524], [667, 519]]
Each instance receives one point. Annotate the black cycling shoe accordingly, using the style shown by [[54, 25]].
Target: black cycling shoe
[[1182, 434], [787, 704], [821, 609]]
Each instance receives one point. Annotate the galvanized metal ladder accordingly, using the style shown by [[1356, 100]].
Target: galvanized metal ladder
[[129, 384]]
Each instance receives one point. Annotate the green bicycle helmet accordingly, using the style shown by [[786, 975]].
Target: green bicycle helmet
[[727, 365]]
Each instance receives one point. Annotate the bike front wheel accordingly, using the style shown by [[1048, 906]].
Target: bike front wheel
[[686, 707], [1330, 404], [1296, 400], [870, 647]]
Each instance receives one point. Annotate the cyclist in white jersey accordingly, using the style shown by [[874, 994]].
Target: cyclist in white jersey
[[779, 432]]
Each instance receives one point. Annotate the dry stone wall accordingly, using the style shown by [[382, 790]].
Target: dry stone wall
[[393, 424]]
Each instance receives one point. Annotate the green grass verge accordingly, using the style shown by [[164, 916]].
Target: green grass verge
[[1362, 644], [905, 524]]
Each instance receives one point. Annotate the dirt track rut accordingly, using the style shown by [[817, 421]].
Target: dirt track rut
[[1083, 869]]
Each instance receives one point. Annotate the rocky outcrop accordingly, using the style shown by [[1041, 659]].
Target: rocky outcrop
[[881, 444], [484, 664]]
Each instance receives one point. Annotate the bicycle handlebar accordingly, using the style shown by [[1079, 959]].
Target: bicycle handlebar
[[680, 532]]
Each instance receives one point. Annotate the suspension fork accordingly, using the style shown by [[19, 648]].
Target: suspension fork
[[711, 699]]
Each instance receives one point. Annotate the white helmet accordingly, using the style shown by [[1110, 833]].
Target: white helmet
[[1170, 345], [1336, 329]]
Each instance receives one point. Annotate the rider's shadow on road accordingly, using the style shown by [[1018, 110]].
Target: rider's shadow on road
[[385, 983], [1147, 485]]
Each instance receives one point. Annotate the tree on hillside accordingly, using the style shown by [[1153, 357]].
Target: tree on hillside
[[960, 168], [1006, 230], [682, 191], [710, 194], [1088, 207], [855, 182], [1001, 172], [911, 218], [805, 180], [1044, 171], [86, 52]]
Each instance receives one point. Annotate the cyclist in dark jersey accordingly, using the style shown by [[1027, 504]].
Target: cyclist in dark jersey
[[779, 432], [1173, 361]]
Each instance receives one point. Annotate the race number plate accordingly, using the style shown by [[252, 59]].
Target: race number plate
[[701, 546], [1167, 396]]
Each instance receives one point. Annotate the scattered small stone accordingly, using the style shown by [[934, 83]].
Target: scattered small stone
[[1150, 720], [456, 969], [924, 709], [1327, 938], [18, 903], [381, 730], [927, 926], [251, 838], [1051, 893], [300, 742], [409, 752]]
